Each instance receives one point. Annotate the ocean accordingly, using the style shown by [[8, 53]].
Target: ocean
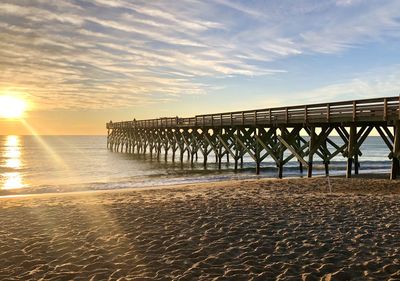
[[40, 164]]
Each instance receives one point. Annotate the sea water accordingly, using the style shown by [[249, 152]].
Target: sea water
[[39, 164]]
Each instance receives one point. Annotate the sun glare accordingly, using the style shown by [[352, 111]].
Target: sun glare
[[12, 107]]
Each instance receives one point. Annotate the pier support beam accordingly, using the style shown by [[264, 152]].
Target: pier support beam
[[326, 164], [181, 152], [326, 156], [257, 152], [174, 148], [236, 155], [205, 156], [280, 169], [219, 157], [396, 151], [350, 149], [356, 164], [311, 145], [300, 163]]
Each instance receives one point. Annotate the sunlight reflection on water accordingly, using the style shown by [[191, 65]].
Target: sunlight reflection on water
[[40, 164], [12, 156], [12, 181]]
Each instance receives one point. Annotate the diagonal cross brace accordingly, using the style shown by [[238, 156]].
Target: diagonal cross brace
[[293, 151], [226, 146]]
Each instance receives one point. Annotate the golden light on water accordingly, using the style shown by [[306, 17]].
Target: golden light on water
[[13, 163], [12, 107], [12, 141], [13, 181], [12, 155]]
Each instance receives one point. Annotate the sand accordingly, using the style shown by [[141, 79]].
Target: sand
[[292, 229]]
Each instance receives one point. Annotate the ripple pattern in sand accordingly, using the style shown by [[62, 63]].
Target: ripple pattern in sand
[[243, 233]]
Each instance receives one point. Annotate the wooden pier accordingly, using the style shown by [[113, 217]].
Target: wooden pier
[[283, 133]]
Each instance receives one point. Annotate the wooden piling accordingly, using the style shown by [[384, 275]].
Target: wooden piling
[[181, 155], [326, 164], [257, 154], [236, 153], [280, 170], [205, 156], [219, 157], [326, 156], [396, 151], [350, 149], [311, 151], [356, 164], [174, 148], [300, 163]]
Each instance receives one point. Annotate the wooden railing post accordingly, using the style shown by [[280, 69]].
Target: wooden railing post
[[328, 113], [385, 112], [305, 114], [286, 114], [354, 111], [399, 108], [270, 115]]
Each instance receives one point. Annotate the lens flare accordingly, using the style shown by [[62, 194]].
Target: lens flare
[[12, 107]]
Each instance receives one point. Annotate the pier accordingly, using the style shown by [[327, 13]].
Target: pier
[[282, 134]]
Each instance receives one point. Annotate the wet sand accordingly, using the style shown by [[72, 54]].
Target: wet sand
[[291, 229]]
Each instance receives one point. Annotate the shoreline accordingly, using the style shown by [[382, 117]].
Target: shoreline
[[16, 193]]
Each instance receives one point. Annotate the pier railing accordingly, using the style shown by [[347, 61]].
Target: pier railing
[[377, 109]]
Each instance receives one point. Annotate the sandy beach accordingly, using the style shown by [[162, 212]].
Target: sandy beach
[[291, 229]]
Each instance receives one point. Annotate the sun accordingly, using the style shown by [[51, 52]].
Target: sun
[[12, 107]]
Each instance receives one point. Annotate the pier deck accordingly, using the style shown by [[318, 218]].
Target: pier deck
[[302, 131]]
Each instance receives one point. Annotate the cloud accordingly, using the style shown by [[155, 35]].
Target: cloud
[[102, 54], [372, 84], [347, 2], [242, 8]]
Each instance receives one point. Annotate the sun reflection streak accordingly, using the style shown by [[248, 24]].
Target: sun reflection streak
[[13, 163], [47, 147], [12, 155], [91, 214], [12, 141], [13, 181]]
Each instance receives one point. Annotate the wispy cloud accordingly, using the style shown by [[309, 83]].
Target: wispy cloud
[[370, 84], [100, 54]]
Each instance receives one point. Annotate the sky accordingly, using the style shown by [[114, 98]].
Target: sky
[[80, 64]]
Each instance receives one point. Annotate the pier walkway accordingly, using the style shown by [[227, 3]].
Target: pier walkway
[[283, 133]]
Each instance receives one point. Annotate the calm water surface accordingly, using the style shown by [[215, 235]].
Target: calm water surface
[[30, 164]]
